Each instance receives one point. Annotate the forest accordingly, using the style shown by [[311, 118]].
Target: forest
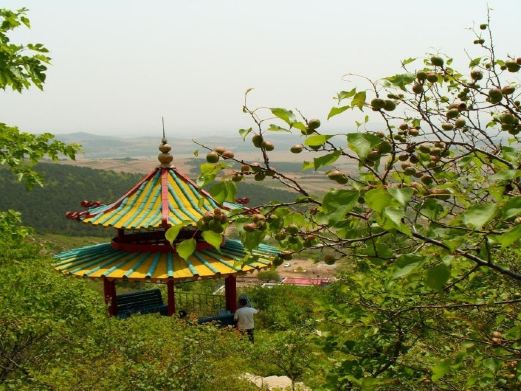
[[44, 208]]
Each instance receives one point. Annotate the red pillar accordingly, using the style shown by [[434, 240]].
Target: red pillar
[[109, 289], [171, 296], [230, 292]]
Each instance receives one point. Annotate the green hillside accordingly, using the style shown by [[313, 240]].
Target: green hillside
[[65, 186]]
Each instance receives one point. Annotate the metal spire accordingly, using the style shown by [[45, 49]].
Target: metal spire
[[164, 137]]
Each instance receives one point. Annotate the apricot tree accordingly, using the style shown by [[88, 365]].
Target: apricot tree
[[424, 211]]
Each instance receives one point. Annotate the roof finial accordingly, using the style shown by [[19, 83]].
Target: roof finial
[[164, 137], [164, 157]]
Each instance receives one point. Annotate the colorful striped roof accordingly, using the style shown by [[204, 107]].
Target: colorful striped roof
[[162, 198], [103, 261]]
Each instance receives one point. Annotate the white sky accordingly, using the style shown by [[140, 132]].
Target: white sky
[[119, 65]]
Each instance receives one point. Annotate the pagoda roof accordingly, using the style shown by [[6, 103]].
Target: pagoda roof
[[105, 261], [163, 198]]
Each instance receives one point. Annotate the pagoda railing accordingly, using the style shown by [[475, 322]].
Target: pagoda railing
[[199, 304]]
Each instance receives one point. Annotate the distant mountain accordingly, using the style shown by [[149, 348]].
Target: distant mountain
[[103, 147], [99, 147]]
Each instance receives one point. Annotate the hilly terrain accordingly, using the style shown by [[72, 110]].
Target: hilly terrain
[[66, 186]]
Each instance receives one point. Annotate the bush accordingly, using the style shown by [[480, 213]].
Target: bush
[[54, 333], [268, 276]]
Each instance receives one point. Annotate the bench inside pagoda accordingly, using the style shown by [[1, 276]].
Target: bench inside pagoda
[[150, 301]]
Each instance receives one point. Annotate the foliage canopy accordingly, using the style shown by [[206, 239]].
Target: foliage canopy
[[428, 223]]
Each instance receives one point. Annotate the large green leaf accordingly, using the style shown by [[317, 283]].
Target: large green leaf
[[224, 191], [345, 94], [512, 207], [393, 217], [209, 172], [326, 160], [213, 238], [337, 110], [337, 203], [251, 240], [317, 140], [362, 143], [478, 215], [437, 276], [378, 199], [510, 237], [359, 100], [172, 232], [186, 248], [285, 115], [406, 263], [401, 80], [403, 196], [433, 209]]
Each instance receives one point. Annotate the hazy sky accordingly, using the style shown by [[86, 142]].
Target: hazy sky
[[118, 65]]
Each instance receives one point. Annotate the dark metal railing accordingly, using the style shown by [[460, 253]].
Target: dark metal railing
[[199, 304]]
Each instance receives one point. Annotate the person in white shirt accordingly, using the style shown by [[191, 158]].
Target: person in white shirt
[[244, 318]]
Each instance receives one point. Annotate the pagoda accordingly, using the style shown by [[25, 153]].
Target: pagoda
[[140, 252]]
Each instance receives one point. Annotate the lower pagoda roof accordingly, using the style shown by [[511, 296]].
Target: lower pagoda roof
[[105, 261]]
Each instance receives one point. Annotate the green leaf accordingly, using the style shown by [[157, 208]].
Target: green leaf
[[337, 110], [403, 196], [285, 115], [224, 191], [359, 100], [251, 240], [345, 94], [186, 248], [277, 128], [406, 263], [440, 370], [299, 125], [393, 219], [401, 80], [326, 160], [337, 203], [317, 140], [512, 207], [362, 143], [478, 215], [245, 132], [409, 60], [213, 238], [378, 250], [377, 199], [474, 62], [209, 171], [432, 209], [172, 232], [308, 165], [438, 276], [510, 237], [491, 364]]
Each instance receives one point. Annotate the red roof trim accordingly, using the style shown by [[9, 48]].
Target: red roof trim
[[165, 209]]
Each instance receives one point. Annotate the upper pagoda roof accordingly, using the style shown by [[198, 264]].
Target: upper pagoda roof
[[163, 198]]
